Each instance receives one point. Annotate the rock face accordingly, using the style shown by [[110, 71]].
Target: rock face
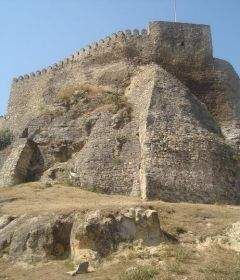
[[98, 234], [180, 143], [36, 238], [5, 220], [84, 237], [25, 163], [150, 114]]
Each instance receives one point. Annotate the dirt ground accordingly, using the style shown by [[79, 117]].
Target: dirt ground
[[189, 223], [36, 199]]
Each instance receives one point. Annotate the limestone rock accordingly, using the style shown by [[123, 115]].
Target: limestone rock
[[85, 237], [36, 238], [5, 220], [58, 173], [228, 239], [222, 85], [97, 234], [109, 160], [25, 163], [184, 157], [3, 156]]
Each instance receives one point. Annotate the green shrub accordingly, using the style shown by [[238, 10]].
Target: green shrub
[[139, 273], [6, 138]]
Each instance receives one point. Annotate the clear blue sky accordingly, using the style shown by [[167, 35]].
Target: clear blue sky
[[37, 33]]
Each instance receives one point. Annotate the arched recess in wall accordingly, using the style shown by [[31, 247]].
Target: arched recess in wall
[[30, 164]]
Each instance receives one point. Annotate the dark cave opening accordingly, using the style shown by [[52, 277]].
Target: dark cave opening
[[31, 163], [35, 167]]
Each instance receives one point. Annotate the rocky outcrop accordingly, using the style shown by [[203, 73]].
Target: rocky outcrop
[[24, 164], [109, 160], [152, 115], [85, 237], [28, 238], [219, 89], [98, 234], [5, 220], [183, 154], [4, 154], [56, 174]]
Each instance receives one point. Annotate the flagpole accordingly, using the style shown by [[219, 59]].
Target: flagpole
[[175, 10]]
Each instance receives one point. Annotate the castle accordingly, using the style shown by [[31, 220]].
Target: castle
[[174, 135], [165, 43]]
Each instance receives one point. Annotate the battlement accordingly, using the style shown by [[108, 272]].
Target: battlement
[[166, 43]]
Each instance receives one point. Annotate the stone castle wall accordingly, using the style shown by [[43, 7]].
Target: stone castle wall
[[172, 45], [162, 41]]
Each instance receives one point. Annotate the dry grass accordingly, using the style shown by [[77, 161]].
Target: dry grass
[[197, 220], [188, 222], [104, 95], [69, 90], [28, 198], [220, 264], [146, 272]]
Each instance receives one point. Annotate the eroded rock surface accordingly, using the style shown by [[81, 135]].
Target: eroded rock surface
[[25, 163], [28, 238], [5, 220], [98, 234], [85, 237]]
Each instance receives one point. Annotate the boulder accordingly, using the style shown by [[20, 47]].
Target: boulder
[[97, 234], [36, 238], [58, 173]]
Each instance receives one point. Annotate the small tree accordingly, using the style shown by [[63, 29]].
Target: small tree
[[6, 138]]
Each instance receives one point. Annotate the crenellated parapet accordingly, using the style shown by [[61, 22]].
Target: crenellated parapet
[[92, 49], [164, 43]]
